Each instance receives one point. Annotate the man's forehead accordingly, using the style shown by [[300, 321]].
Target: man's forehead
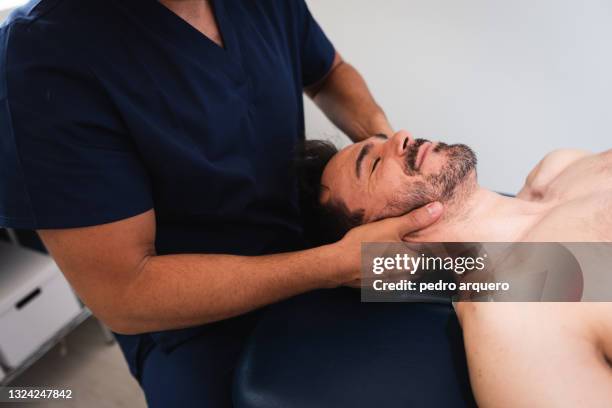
[[341, 161], [339, 175], [346, 153]]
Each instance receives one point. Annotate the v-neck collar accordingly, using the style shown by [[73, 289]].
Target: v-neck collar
[[167, 24]]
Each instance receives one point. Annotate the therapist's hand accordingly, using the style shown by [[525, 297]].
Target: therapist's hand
[[387, 230]]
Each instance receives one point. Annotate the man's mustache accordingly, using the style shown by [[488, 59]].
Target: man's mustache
[[412, 155], [414, 151]]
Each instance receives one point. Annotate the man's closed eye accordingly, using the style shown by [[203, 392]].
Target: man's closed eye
[[374, 165]]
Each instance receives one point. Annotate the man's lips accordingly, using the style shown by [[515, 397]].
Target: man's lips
[[422, 153]]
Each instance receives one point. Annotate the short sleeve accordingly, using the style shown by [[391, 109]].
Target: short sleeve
[[67, 160], [316, 52]]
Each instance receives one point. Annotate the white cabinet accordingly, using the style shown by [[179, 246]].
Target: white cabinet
[[35, 302]]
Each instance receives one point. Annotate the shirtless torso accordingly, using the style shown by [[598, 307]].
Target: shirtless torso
[[519, 354], [549, 354], [577, 186]]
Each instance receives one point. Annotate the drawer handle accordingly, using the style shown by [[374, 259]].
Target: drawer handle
[[27, 299]]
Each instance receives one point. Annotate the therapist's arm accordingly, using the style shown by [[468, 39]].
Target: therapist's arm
[[116, 272], [346, 100]]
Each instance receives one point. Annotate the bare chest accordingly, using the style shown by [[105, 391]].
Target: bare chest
[[588, 176], [586, 218]]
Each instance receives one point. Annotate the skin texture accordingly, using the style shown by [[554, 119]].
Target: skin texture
[[519, 354], [115, 269]]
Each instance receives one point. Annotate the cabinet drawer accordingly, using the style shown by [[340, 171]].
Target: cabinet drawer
[[33, 318]]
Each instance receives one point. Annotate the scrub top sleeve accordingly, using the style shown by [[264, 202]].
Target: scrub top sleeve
[[67, 159], [317, 52]]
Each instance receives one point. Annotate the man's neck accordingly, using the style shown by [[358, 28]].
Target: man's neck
[[480, 215], [199, 14], [187, 7]]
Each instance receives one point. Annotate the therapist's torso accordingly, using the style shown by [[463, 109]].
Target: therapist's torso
[[111, 108]]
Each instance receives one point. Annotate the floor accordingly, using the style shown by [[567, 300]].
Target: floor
[[94, 370]]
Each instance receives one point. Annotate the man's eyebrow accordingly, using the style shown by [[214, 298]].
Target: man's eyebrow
[[381, 136], [362, 154]]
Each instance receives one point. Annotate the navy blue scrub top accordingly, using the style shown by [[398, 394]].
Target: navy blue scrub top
[[110, 108]]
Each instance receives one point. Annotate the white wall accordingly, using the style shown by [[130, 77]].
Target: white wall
[[6, 6], [3, 15], [513, 79]]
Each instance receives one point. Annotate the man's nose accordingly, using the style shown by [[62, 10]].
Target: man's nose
[[399, 143]]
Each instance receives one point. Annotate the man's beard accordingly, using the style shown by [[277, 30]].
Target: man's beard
[[460, 162]]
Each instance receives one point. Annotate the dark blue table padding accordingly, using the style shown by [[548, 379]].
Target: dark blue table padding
[[327, 349]]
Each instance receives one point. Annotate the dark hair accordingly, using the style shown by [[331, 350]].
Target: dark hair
[[323, 223]]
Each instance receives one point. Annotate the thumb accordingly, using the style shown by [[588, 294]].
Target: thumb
[[420, 218]]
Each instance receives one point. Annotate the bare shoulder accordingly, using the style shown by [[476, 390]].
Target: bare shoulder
[[547, 170]]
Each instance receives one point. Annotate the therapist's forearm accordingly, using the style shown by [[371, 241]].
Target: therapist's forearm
[[118, 274], [175, 291], [346, 100]]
